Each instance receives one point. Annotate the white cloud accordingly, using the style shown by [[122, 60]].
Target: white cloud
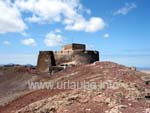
[[10, 18], [29, 42], [7, 43], [106, 35], [57, 31], [48, 10], [34, 19], [53, 39], [93, 25], [125, 9], [69, 12]]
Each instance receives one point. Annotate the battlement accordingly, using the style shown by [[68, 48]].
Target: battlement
[[73, 47]]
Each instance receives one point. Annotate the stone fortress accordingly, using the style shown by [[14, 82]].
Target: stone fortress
[[71, 54]]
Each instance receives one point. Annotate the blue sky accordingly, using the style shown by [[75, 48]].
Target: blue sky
[[118, 29]]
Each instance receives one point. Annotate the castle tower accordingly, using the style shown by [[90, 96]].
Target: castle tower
[[45, 60], [71, 54], [73, 47]]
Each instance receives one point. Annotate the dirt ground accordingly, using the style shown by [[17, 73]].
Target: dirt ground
[[129, 94]]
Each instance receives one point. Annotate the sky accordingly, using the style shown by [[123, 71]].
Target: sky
[[118, 29]]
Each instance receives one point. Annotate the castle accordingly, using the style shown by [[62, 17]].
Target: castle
[[71, 54]]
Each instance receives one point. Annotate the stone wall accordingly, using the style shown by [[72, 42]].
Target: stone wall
[[45, 60], [78, 57], [86, 57]]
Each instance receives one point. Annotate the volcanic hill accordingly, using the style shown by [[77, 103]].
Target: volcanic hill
[[128, 91]]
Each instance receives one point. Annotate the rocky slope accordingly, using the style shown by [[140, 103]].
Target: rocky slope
[[115, 89]]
